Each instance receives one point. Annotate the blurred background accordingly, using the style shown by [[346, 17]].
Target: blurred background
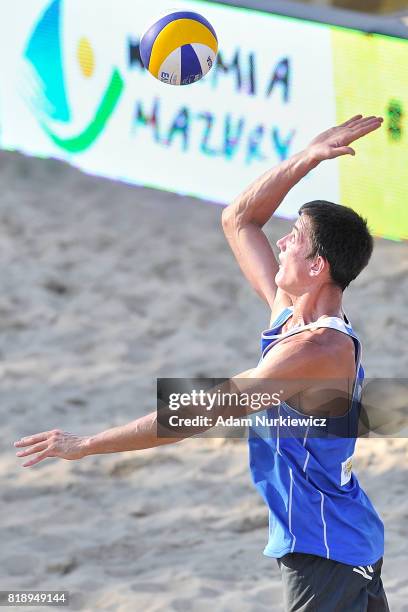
[[106, 286], [377, 7]]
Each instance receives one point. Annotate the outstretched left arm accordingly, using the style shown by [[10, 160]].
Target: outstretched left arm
[[293, 362]]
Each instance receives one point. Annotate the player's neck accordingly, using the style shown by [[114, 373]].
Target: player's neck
[[325, 302]]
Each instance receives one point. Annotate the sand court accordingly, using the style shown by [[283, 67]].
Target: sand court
[[104, 288]]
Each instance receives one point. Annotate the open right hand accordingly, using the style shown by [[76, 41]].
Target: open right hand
[[335, 141]]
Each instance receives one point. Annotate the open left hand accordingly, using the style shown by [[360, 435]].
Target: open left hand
[[334, 142], [53, 443]]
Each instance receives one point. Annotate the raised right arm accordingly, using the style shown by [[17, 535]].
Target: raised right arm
[[244, 218], [243, 221]]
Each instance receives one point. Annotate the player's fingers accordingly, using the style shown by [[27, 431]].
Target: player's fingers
[[34, 449], [359, 121], [366, 128], [363, 121], [37, 459], [39, 437], [367, 120], [351, 121]]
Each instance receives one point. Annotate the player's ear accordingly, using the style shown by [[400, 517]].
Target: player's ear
[[318, 265]]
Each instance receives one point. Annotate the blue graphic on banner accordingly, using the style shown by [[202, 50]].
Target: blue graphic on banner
[[45, 54]]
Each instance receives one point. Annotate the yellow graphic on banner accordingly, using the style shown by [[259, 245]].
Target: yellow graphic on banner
[[370, 78]]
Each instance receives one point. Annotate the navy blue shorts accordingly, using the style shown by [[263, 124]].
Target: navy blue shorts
[[316, 584]]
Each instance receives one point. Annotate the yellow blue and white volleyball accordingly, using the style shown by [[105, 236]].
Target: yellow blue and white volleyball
[[179, 48]]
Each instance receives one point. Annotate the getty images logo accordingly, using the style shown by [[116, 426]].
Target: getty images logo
[[48, 97]]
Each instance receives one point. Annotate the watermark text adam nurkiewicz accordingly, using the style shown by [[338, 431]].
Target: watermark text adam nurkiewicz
[[252, 401], [257, 420]]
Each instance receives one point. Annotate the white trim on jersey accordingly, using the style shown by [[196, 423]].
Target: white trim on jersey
[[306, 461], [324, 525], [290, 510]]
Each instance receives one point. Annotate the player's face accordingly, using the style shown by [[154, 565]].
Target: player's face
[[294, 275]]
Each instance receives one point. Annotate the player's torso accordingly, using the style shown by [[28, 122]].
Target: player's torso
[[304, 473]]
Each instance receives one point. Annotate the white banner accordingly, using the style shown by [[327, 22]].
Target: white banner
[[72, 87]]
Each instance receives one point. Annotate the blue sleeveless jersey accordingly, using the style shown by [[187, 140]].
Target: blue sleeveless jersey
[[316, 504]]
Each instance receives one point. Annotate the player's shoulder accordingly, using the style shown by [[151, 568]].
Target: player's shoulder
[[329, 336], [324, 349], [325, 339]]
